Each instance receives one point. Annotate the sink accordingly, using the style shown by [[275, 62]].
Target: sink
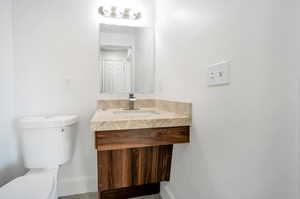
[[136, 112]]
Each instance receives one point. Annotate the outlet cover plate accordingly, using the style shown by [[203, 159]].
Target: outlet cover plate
[[219, 74]]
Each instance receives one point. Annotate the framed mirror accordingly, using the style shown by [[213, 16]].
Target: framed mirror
[[126, 59]]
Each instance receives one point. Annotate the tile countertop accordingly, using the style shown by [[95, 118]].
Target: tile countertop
[[168, 114]]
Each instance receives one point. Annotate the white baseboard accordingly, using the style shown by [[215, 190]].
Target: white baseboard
[[75, 186], [165, 192]]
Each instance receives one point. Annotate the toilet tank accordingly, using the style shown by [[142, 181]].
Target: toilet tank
[[47, 141]]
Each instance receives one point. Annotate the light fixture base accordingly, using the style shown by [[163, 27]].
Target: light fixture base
[[115, 12]]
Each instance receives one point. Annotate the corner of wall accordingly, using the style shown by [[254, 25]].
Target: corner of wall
[[166, 192]]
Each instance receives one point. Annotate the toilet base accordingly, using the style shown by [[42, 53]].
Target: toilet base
[[54, 172], [35, 184]]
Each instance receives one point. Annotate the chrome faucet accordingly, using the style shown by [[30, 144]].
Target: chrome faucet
[[131, 101]]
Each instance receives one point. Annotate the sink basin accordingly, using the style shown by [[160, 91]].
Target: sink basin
[[136, 112]]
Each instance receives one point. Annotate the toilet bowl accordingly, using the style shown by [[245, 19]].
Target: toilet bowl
[[47, 142], [36, 184]]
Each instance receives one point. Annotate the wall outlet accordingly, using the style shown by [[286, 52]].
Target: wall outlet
[[218, 74]]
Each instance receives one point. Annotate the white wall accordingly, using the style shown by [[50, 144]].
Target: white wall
[[291, 31], [10, 164], [56, 56], [145, 58], [243, 139], [117, 39]]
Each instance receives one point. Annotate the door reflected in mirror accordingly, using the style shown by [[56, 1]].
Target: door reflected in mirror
[[126, 59]]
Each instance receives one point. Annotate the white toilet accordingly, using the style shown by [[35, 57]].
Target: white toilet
[[47, 142]]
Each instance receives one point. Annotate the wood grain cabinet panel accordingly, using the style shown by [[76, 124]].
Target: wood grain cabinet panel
[[132, 167], [132, 162], [123, 139]]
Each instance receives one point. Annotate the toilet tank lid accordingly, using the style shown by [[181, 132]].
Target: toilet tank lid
[[31, 122], [34, 186]]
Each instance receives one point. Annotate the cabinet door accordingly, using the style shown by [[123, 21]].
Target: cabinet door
[[132, 167]]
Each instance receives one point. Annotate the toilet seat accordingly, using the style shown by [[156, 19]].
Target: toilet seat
[[36, 184]]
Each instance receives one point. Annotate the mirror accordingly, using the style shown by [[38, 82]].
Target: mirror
[[126, 59]]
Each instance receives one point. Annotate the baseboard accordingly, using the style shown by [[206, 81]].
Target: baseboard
[[165, 192], [75, 186]]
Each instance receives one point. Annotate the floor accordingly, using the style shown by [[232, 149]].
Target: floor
[[94, 196]]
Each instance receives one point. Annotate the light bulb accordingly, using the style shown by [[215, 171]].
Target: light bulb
[[105, 10], [126, 13], [115, 12], [134, 14], [119, 12]]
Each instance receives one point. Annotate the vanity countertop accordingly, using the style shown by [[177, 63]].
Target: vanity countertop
[[150, 114]]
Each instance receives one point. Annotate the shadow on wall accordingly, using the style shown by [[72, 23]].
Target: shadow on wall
[[12, 163], [9, 173]]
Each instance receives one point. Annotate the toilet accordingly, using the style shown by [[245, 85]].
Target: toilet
[[47, 142]]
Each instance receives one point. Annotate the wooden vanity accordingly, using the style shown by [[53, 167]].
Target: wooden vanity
[[132, 161]]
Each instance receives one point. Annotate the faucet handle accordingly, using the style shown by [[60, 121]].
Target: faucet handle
[[131, 97]]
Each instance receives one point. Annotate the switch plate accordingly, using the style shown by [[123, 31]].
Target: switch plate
[[218, 74]]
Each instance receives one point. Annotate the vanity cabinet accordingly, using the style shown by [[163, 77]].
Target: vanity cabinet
[[133, 162], [134, 148]]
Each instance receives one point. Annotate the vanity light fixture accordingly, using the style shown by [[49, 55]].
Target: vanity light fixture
[[120, 13]]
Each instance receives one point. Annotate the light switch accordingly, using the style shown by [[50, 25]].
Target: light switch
[[219, 74]]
